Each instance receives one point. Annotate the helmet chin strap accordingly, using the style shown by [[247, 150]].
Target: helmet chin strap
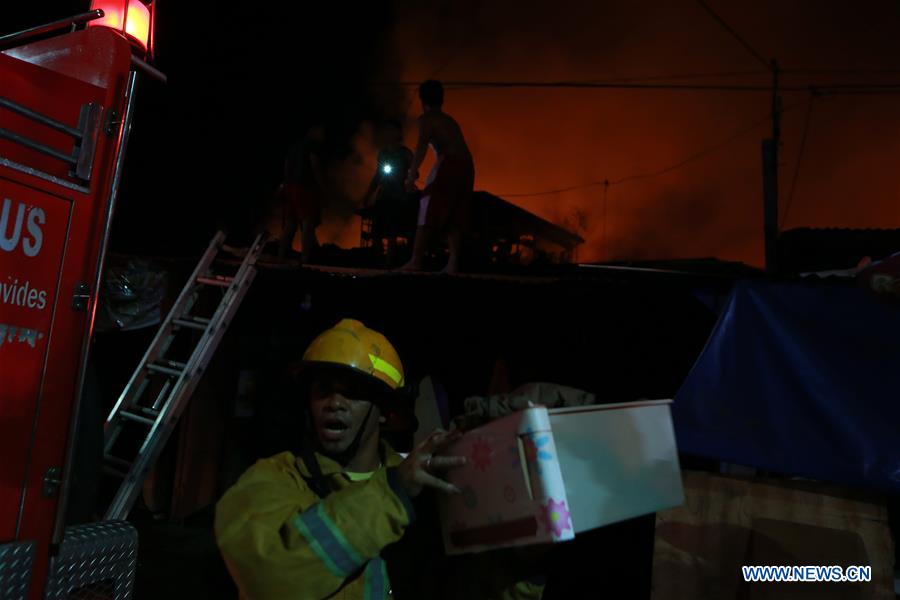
[[347, 455]]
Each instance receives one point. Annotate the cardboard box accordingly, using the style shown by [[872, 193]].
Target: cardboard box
[[542, 475]]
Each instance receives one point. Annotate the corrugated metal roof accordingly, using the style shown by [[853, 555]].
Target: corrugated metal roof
[[363, 273], [499, 218], [544, 275]]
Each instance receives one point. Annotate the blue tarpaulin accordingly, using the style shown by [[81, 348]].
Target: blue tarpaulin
[[801, 379]]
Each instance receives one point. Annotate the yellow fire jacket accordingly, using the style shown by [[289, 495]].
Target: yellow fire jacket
[[280, 541]]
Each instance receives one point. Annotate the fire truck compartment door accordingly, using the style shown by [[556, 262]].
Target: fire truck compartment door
[[33, 233]]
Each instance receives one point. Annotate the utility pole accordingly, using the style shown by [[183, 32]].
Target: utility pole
[[770, 179], [769, 150]]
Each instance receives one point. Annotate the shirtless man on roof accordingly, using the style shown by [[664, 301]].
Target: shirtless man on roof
[[447, 196]]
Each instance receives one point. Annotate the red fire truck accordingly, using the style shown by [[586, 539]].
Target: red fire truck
[[66, 106]]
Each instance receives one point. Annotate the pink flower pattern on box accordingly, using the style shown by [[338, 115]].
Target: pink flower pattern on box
[[533, 453], [481, 454], [509, 494], [555, 517]]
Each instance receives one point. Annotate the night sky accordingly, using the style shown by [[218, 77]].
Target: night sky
[[685, 165]]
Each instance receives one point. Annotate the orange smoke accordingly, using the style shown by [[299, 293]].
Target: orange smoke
[[534, 140]]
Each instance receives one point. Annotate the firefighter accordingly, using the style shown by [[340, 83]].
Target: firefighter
[[333, 521], [302, 192], [444, 206]]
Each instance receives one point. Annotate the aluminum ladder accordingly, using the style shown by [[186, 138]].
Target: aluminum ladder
[[148, 419]]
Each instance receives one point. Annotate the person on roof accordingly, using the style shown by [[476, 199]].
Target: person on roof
[[394, 160], [391, 209], [302, 192], [445, 203], [336, 521]]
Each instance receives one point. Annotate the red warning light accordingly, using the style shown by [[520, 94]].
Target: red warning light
[[129, 17]]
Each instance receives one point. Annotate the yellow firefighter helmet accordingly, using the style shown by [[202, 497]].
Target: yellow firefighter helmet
[[352, 344]]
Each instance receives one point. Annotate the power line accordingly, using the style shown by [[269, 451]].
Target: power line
[[637, 176], [460, 45], [822, 88], [862, 89], [652, 78], [451, 56], [787, 205], [865, 91], [679, 76], [837, 87], [475, 85], [735, 35], [863, 71], [698, 155], [624, 82]]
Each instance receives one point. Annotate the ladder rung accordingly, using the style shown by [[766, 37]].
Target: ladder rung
[[191, 324], [115, 471], [217, 281], [166, 370], [163, 393], [117, 461], [137, 418], [201, 320]]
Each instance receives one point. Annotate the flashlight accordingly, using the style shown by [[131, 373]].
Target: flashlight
[[387, 169]]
